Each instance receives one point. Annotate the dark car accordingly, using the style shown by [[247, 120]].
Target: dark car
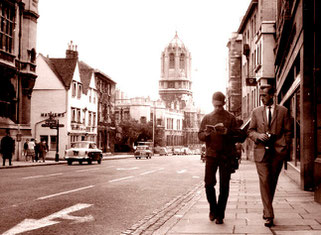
[[83, 151], [143, 151]]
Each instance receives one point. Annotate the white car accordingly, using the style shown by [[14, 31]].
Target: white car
[[83, 151]]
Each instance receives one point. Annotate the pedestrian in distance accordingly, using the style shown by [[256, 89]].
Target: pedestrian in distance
[[217, 130], [37, 152], [270, 128], [43, 149], [31, 149], [25, 150], [7, 148]]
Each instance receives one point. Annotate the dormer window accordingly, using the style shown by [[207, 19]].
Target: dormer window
[[79, 91]]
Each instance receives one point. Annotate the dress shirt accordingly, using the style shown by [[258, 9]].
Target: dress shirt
[[267, 111]]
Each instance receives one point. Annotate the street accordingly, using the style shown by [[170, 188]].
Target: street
[[92, 199]]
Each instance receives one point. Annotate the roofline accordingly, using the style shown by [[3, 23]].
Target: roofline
[[249, 11], [105, 75]]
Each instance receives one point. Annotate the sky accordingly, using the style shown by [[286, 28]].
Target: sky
[[125, 39]]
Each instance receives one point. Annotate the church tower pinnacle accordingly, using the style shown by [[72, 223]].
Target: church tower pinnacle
[[175, 83]]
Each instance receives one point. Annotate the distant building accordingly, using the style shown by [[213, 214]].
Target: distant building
[[234, 88], [18, 33], [67, 89], [175, 112]]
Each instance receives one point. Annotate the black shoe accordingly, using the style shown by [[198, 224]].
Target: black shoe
[[212, 216], [264, 217], [268, 222], [219, 221]]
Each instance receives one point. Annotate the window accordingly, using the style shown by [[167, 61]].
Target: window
[[84, 116], [171, 85], [171, 60], [89, 118], [74, 89], [170, 123], [94, 119], [79, 91], [7, 14], [78, 115], [53, 142], [182, 61], [143, 119], [73, 115], [178, 124], [90, 94]]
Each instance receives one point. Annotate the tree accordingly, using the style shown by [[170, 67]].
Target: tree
[[128, 133]]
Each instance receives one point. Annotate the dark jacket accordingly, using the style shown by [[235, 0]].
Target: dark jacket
[[218, 144], [7, 145]]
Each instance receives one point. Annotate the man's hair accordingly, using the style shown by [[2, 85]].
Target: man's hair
[[270, 88]]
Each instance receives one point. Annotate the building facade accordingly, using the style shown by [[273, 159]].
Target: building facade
[[297, 73], [281, 46], [234, 88], [17, 67], [258, 42], [106, 88], [67, 90]]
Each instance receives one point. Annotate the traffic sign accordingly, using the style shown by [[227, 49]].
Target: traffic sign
[[51, 121], [56, 126]]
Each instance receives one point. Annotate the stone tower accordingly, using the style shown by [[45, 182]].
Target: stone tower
[[175, 84]]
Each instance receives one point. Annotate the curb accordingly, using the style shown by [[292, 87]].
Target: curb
[[163, 219], [62, 161]]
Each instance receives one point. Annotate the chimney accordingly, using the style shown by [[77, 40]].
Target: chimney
[[71, 52]]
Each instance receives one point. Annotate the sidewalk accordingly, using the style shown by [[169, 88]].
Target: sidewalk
[[51, 161], [296, 213]]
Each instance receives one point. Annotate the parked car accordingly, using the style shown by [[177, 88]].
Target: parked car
[[83, 151], [177, 151], [163, 151], [186, 151], [143, 151]]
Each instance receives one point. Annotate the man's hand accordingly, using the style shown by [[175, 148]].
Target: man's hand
[[221, 130], [263, 137]]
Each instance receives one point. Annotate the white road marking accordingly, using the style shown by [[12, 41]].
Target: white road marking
[[66, 192], [127, 169], [195, 177], [91, 169], [40, 176], [119, 179], [152, 171], [32, 224], [181, 171]]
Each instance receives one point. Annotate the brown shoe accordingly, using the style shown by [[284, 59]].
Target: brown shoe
[[219, 221], [268, 222], [212, 216]]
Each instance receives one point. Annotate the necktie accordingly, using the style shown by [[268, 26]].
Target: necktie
[[270, 116]]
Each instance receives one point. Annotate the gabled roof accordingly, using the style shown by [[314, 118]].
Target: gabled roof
[[63, 68], [85, 72]]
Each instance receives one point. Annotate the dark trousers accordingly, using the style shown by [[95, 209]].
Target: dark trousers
[[212, 164], [268, 170], [6, 156]]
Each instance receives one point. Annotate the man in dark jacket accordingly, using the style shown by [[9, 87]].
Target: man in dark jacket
[[7, 147], [218, 130]]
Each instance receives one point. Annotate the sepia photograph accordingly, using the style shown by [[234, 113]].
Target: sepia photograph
[[160, 117]]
